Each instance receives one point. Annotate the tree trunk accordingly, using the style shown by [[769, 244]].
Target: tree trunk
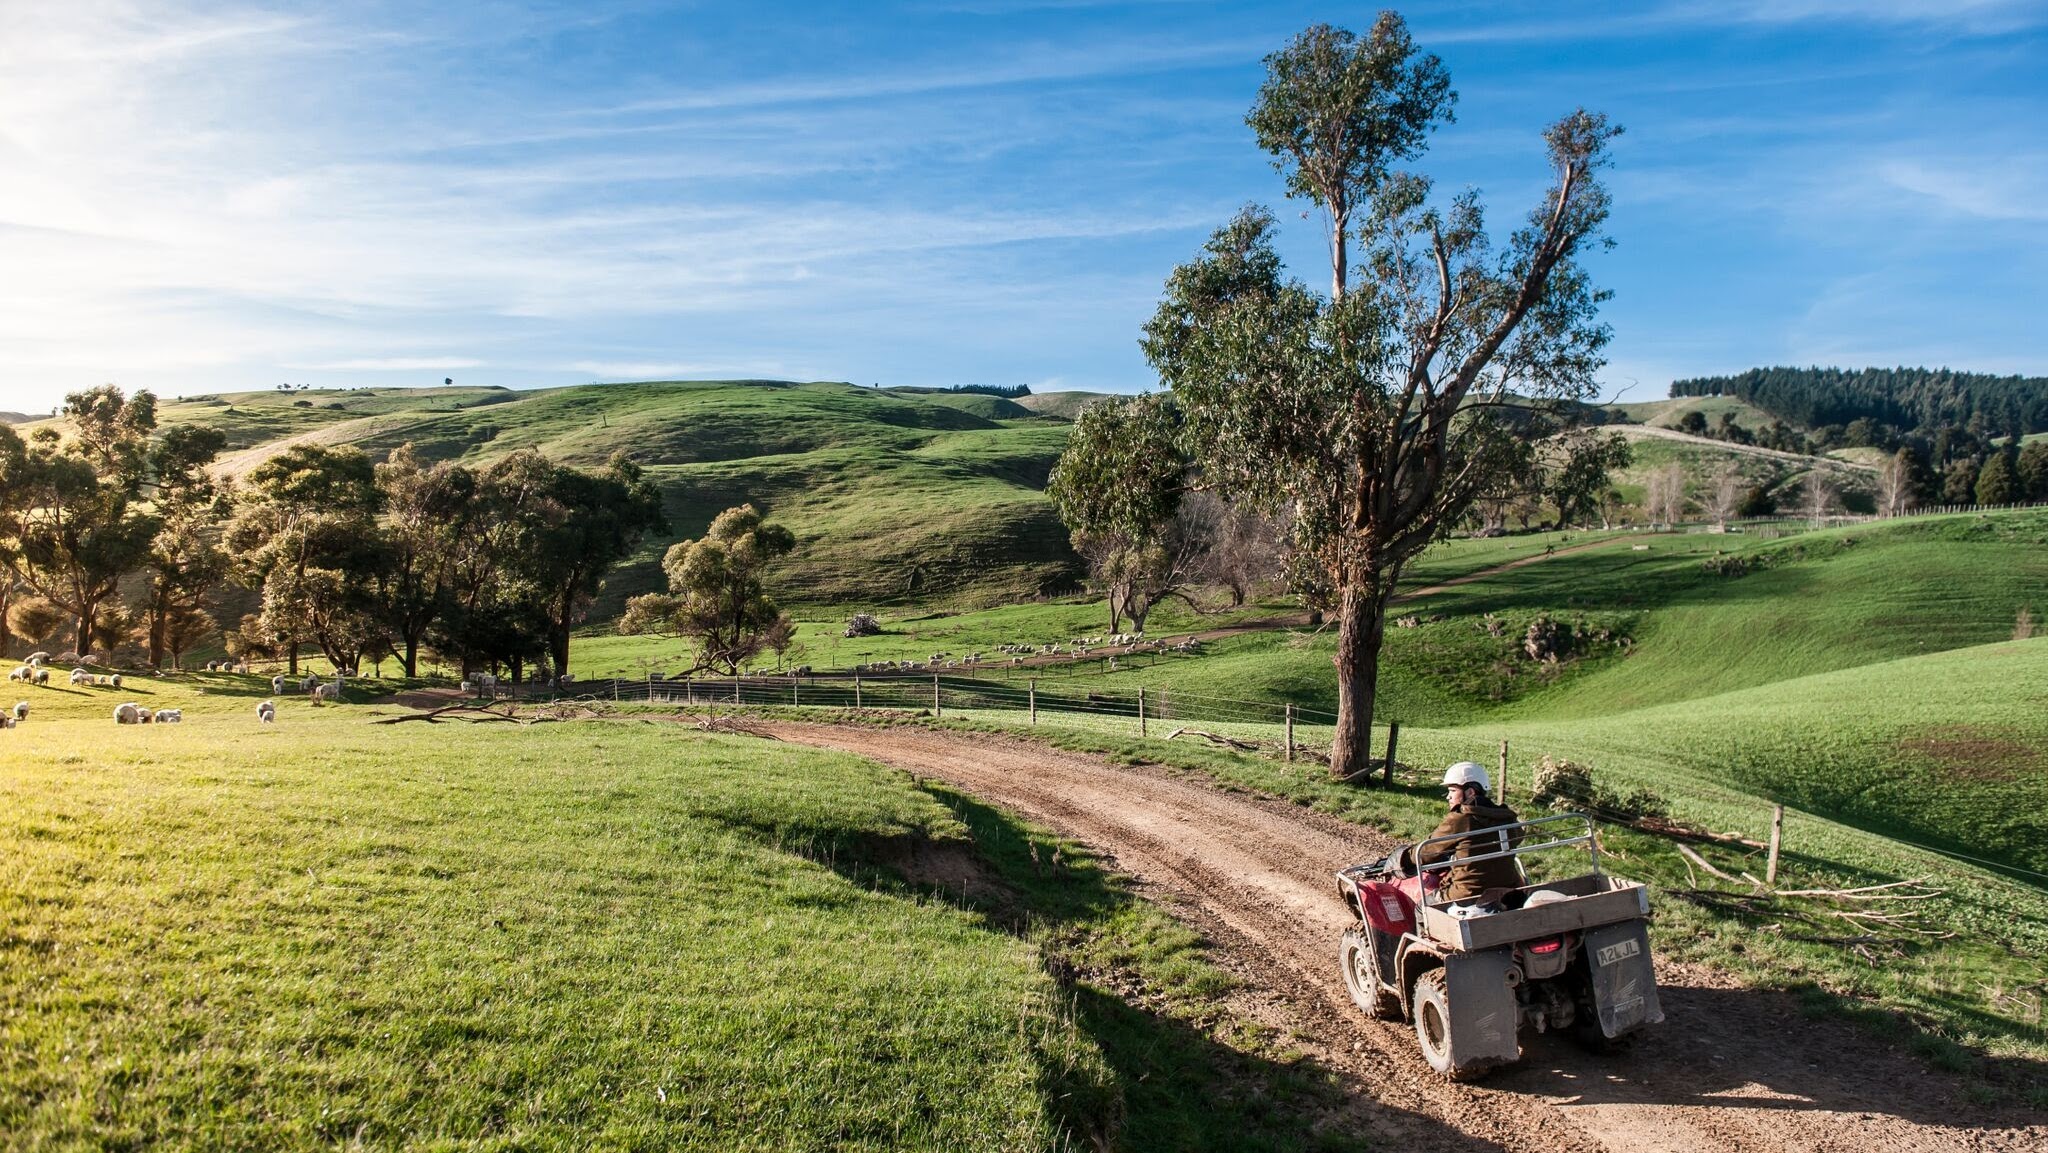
[[87, 610], [412, 657], [1138, 608], [292, 658], [1360, 630]]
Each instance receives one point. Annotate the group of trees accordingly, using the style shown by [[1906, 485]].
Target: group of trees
[[80, 515], [357, 558], [1898, 399], [1366, 420]]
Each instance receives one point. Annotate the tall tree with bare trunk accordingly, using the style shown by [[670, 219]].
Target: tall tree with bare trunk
[[1374, 416]]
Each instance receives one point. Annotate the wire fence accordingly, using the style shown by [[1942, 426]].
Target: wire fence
[[1061, 699]]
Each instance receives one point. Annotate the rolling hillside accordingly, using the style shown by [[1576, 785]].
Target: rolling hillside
[[894, 496]]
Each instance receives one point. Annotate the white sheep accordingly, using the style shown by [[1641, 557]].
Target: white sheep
[[20, 711], [323, 693], [80, 677], [42, 676], [169, 716], [38, 660], [21, 674], [266, 712], [307, 685], [277, 684], [128, 713]]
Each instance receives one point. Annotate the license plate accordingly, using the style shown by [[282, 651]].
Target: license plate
[[1619, 951]]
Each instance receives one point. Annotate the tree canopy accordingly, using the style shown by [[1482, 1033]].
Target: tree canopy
[[718, 596]]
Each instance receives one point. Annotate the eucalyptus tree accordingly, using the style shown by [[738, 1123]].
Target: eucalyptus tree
[[568, 530], [428, 509], [1118, 487], [185, 562], [76, 523], [306, 535], [718, 592], [1374, 416]]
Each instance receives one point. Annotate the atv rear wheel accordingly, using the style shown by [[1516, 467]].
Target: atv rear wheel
[[1432, 1011], [1359, 957]]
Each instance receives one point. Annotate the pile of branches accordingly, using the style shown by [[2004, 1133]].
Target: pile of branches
[[1863, 919]]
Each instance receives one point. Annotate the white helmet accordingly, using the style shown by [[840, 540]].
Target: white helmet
[[1467, 773]]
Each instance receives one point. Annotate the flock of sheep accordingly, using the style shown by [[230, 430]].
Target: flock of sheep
[[1114, 645], [34, 671]]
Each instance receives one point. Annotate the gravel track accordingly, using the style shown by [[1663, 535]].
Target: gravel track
[[1730, 1069]]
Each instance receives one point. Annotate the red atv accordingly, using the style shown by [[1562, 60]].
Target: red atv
[[1563, 954]]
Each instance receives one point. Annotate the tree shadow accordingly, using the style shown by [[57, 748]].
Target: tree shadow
[[1174, 1081]]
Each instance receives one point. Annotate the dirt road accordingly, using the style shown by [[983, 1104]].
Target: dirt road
[[1728, 1070]]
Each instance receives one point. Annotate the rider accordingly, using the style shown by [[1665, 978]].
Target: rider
[[1465, 785]]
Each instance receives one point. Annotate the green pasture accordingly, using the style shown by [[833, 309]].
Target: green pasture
[[326, 932]]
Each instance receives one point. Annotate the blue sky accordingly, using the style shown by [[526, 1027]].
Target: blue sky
[[216, 196]]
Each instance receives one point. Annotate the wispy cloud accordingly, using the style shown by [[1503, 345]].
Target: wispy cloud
[[2013, 187]]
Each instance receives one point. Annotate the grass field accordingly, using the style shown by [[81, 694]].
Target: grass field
[[325, 933]]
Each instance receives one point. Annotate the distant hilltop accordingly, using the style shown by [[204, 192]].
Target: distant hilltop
[[1905, 399]]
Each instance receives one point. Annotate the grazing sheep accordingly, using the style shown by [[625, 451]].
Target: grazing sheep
[[128, 713], [80, 677], [266, 712], [324, 693], [169, 716], [21, 674], [38, 660], [277, 684], [307, 685], [42, 676], [20, 711]]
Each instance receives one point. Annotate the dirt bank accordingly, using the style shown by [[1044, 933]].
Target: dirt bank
[[1729, 1068]]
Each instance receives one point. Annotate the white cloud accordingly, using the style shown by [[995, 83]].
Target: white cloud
[[2009, 188]]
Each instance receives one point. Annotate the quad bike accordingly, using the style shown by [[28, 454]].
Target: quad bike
[[1566, 954]]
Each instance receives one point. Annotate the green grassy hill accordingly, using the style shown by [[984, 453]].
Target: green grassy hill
[[894, 496], [1060, 405]]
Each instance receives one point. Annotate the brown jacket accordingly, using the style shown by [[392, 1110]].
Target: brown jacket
[[1465, 881]]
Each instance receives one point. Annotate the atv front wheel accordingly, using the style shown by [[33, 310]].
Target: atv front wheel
[[1359, 957]]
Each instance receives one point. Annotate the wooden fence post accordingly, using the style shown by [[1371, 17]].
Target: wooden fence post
[[1777, 831], [1393, 742], [735, 687], [792, 690], [1290, 730], [856, 688], [1504, 772], [937, 709], [1141, 710], [1034, 700]]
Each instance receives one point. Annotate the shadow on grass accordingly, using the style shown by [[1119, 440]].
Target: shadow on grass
[[1183, 1075]]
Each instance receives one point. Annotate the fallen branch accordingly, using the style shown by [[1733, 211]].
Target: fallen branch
[[1215, 738], [1869, 892], [1685, 851], [434, 716]]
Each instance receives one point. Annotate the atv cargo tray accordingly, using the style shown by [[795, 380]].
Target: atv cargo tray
[[1595, 899]]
